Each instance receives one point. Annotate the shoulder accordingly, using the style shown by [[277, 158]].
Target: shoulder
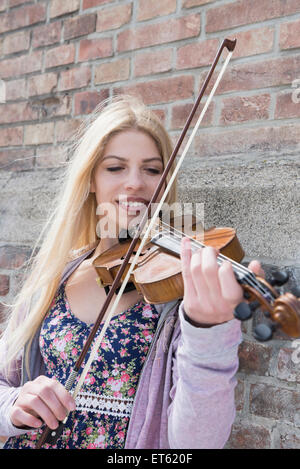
[[75, 253]]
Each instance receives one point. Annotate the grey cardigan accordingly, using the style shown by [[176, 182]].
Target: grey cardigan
[[185, 394]]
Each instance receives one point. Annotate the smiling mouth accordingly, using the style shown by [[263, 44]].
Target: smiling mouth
[[132, 204]]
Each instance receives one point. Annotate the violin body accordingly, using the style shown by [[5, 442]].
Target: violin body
[[157, 274]]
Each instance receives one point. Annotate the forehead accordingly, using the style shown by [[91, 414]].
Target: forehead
[[131, 142]]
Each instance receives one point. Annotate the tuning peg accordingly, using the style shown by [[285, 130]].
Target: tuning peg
[[264, 332], [242, 312], [296, 291], [254, 305], [278, 278]]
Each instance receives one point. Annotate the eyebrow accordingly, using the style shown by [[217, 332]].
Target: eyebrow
[[145, 160]]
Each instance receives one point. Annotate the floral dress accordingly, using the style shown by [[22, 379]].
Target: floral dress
[[104, 403]]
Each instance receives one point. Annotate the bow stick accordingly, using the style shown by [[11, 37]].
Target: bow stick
[[48, 435]]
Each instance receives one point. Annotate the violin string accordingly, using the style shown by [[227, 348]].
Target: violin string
[[238, 268], [220, 258]]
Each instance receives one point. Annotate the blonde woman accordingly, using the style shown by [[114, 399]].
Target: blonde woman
[[178, 393]]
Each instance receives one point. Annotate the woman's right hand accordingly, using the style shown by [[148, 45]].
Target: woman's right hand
[[43, 400]]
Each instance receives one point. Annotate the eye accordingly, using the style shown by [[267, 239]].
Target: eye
[[154, 170], [113, 169]]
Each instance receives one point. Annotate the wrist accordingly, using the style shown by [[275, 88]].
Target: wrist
[[196, 323]]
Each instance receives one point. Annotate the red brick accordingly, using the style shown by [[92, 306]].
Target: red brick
[[86, 101], [112, 71], [42, 84], [244, 12], [254, 358], [64, 130], [289, 35], [59, 8], [163, 90], [173, 29], [3, 5], [180, 113], [46, 35], [253, 42], [114, 17], [197, 54], [147, 63], [245, 108], [257, 139], [52, 106], [38, 134], [50, 157], [247, 435], [74, 78], [286, 106], [21, 65], [13, 257], [239, 395], [274, 402], [90, 49], [14, 3], [151, 8], [11, 137], [289, 439], [93, 3], [4, 285], [22, 17], [17, 112], [17, 159], [195, 3], [61, 55], [16, 89], [261, 74], [79, 26], [16, 42], [288, 364]]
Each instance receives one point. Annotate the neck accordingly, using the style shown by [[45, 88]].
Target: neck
[[103, 245]]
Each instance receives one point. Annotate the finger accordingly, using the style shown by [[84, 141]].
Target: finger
[[256, 268], [210, 270], [64, 396], [53, 394], [186, 256], [20, 418], [34, 403], [231, 291], [200, 285], [48, 396]]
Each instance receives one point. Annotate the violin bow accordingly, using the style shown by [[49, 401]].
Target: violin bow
[[48, 435]]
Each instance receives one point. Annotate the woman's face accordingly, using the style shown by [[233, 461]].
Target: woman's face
[[125, 179]]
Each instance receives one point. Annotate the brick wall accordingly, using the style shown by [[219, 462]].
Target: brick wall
[[58, 59]]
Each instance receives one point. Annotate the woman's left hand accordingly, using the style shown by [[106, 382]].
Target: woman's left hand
[[211, 292]]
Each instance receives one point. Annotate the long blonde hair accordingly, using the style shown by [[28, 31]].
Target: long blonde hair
[[72, 222]]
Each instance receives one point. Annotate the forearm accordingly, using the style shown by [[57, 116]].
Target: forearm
[[205, 364]]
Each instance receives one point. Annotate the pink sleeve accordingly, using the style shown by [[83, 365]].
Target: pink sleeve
[[204, 367]]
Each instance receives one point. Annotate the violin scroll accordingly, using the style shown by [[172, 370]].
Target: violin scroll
[[282, 311]]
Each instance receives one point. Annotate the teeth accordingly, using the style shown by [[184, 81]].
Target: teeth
[[132, 204]]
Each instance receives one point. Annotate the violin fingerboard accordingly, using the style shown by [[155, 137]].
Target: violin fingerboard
[[167, 242]]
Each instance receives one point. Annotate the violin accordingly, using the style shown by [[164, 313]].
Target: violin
[[157, 276], [157, 273]]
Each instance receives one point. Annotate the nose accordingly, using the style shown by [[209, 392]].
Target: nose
[[134, 180]]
